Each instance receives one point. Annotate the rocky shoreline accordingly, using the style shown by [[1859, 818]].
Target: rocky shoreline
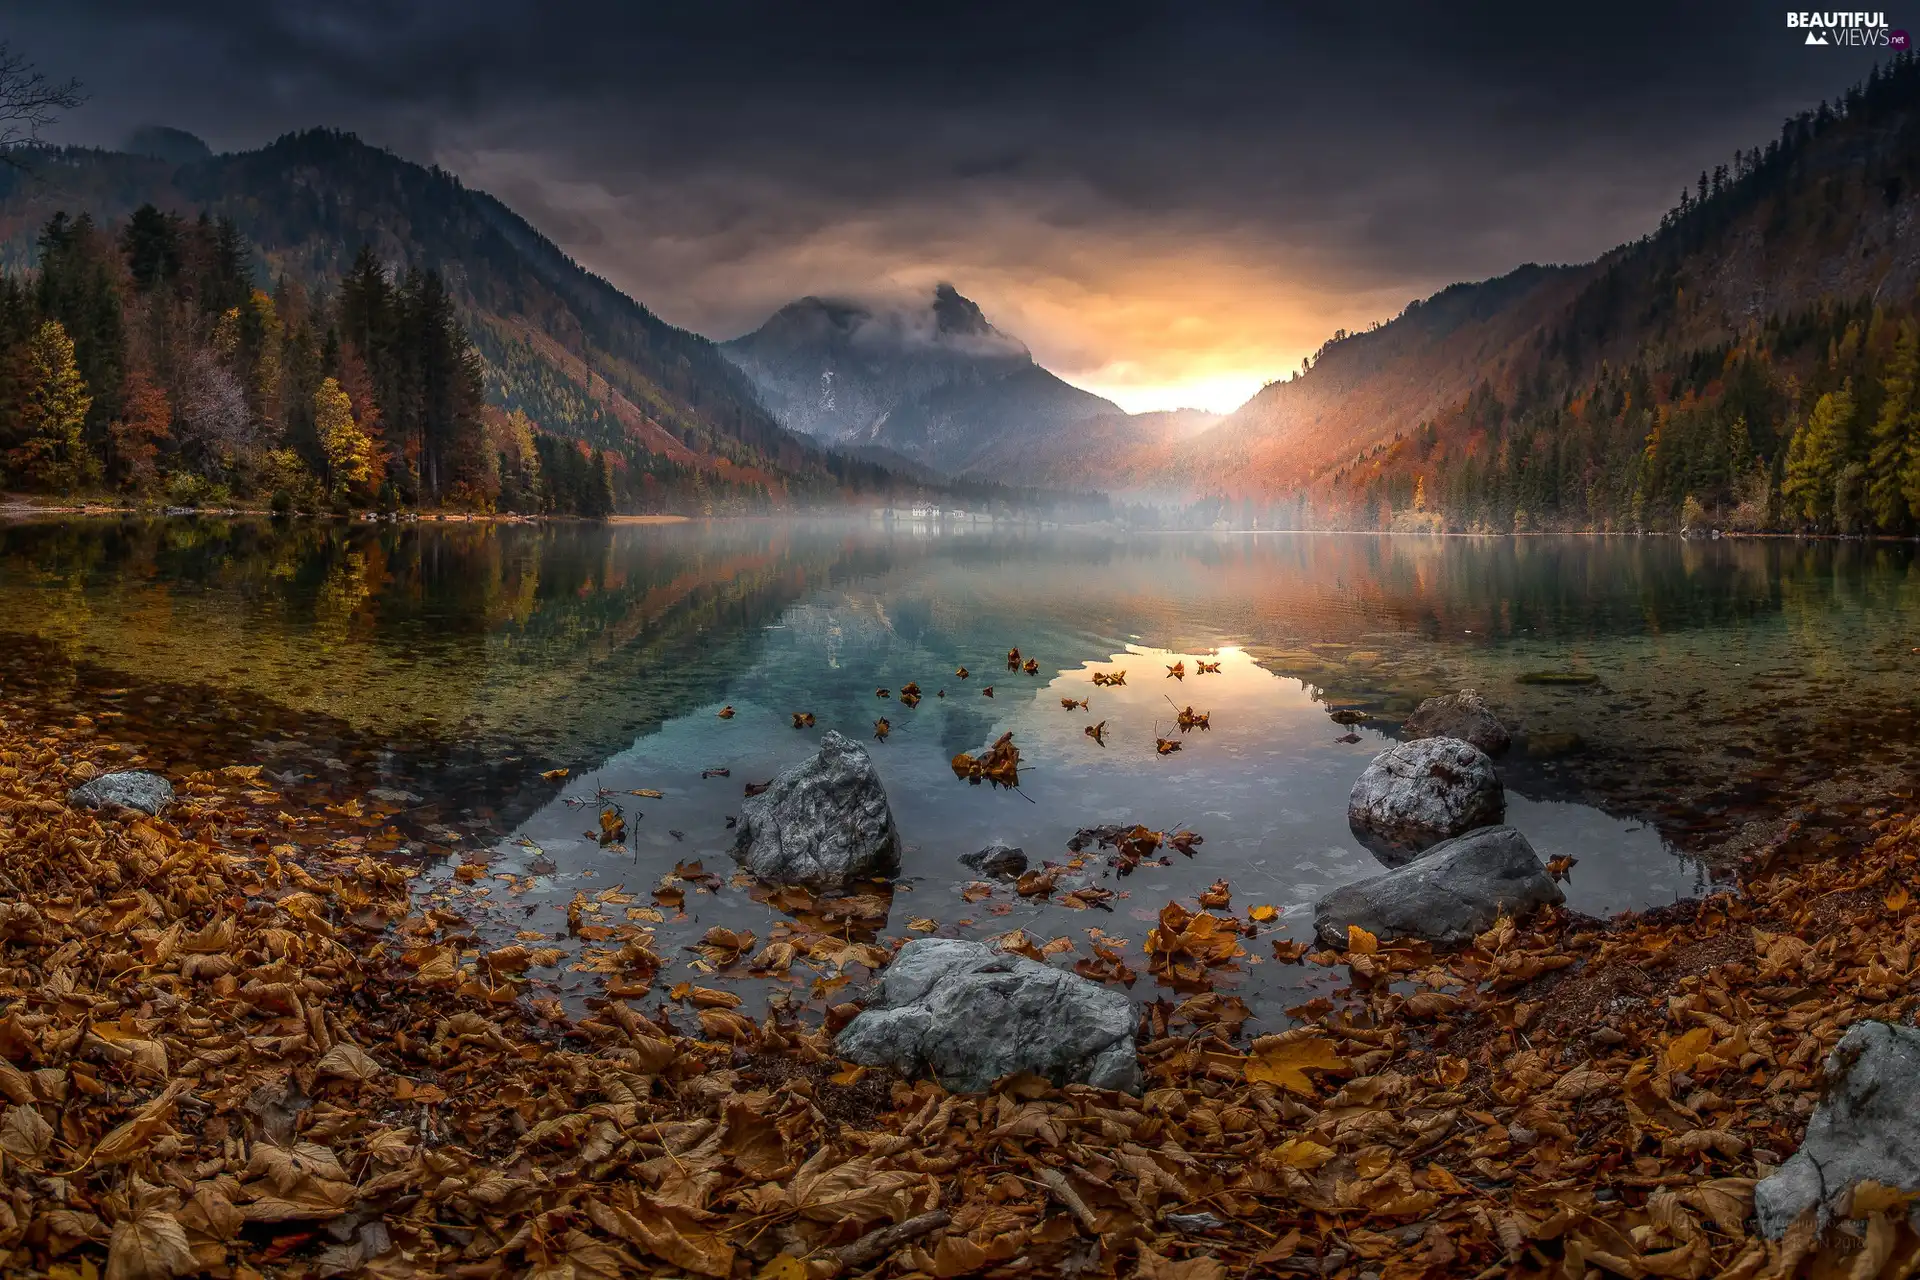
[[224, 1055]]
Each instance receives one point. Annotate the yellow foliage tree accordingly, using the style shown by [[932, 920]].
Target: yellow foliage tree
[[349, 449], [53, 455]]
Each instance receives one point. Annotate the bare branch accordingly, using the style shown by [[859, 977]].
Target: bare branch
[[29, 102]]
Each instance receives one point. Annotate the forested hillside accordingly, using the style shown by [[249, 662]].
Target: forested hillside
[[1750, 365], [659, 417]]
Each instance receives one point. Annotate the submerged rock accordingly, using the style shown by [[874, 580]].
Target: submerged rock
[[1450, 893], [824, 822], [997, 859], [1416, 794], [1464, 715], [134, 789], [1866, 1129], [970, 1014]]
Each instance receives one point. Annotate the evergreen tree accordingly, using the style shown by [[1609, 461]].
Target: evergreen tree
[[54, 455], [1893, 471], [1817, 455]]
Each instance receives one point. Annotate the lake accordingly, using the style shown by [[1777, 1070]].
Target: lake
[[420, 679]]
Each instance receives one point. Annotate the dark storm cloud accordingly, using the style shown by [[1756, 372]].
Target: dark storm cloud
[[1152, 195]]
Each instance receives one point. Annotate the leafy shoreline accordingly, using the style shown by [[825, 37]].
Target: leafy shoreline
[[229, 1056]]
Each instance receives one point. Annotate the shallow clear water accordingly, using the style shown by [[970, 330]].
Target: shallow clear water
[[1725, 675]]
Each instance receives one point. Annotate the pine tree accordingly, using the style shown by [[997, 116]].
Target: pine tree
[[54, 455], [1817, 455], [1893, 470]]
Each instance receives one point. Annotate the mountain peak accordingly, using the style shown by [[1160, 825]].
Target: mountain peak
[[956, 314]]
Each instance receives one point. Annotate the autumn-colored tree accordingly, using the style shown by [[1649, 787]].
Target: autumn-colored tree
[[145, 420], [1817, 454], [348, 449], [52, 454]]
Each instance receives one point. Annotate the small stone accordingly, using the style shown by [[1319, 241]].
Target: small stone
[[1003, 861], [1448, 895], [148, 793], [1464, 715], [970, 1014], [1416, 794]]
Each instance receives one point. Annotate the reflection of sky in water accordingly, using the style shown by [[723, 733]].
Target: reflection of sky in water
[[1266, 785]]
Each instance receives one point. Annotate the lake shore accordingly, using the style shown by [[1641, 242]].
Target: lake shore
[[235, 1039]]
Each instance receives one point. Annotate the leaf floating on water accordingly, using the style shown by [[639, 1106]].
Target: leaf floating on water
[[998, 764], [613, 826], [755, 788], [1069, 704], [803, 719], [987, 692], [882, 693], [725, 713], [1348, 717], [1219, 894], [1191, 719], [1166, 746], [1178, 671], [648, 793], [1031, 666], [1013, 659], [716, 773], [1206, 668], [1263, 914], [1289, 952], [556, 775], [1098, 732], [1109, 677], [961, 672], [1360, 942], [1559, 867], [881, 728]]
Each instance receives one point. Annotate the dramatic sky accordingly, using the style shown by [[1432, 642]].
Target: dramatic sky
[[1171, 203]]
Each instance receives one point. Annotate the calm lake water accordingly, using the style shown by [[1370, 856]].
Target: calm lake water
[[431, 673]]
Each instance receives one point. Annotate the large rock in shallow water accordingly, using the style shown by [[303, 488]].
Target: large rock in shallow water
[[1866, 1129], [1464, 715], [134, 789], [1450, 893], [823, 822], [971, 1014], [1417, 794]]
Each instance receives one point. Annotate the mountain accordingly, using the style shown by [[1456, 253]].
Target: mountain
[[578, 356], [934, 383], [1745, 364]]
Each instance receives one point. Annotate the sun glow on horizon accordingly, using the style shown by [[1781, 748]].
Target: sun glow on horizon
[[1219, 393]]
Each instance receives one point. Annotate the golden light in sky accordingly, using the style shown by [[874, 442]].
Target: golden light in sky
[[1151, 315]]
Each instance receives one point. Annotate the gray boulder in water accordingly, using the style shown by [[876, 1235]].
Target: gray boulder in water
[[1416, 794], [997, 859], [970, 1014], [132, 789], [1464, 715], [1866, 1129], [824, 822], [1450, 893]]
